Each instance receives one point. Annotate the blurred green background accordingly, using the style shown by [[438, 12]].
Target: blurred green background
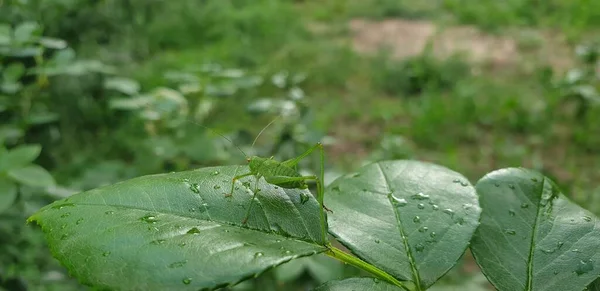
[[114, 89]]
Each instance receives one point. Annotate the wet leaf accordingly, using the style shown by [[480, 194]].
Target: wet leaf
[[180, 231], [532, 237], [411, 219]]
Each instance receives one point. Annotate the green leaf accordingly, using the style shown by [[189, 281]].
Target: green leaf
[[178, 231], [19, 156], [8, 193], [5, 34], [25, 32], [371, 284], [32, 175], [411, 219], [123, 85], [532, 237]]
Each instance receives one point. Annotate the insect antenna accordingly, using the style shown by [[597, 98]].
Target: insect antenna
[[264, 128]]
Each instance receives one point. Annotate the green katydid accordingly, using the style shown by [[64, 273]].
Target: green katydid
[[282, 174]]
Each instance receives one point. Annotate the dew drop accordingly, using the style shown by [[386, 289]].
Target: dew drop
[[421, 206], [109, 212], [65, 215], [61, 206], [576, 251], [399, 201], [79, 221], [106, 254], [423, 229], [456, 181], [433, 234], [511, 186], [584, 267], [192, 209], [336, 188], [186, 180], [435, 207], [216, 187], [187, 281], [287, 252], [195, 188], [303, 198], [377, 241], [215, 173], [524, 205], [467, 206], [158, 242], [416, 219], [510, 231], [559, 244], [356, 175], [587, 218], [182, 244], [419, 247], [193, 230], [420, 196], [277, 240], [497, 184], [511, 212], [149, 219], [548, 251], [555, 272], [460, 221], [534, 179], [464, 184], [449, 212], [63, 226], [64, 237], [178, 264], [258, 255]]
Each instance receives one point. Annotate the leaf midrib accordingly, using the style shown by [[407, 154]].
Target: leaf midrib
[[415, 272], [529, 285]]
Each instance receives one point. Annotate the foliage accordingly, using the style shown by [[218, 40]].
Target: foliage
[[182, 232]]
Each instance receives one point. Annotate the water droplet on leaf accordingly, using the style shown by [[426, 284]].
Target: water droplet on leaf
[[79, 221], [587, 218], [149, 219], [106, 254], [416, 219], [435, 207], [511, 186], [65, 215], [178, 264], [217, 187], [215, 173], [524, 205], [584, 267], [193, 230], [420, 196], [109, 212], [187, 281], [423, 229], [510, 231], [64, 237], [63, 226], [421, 206], [195, 188], [377, 241], [433, 234], [419, 247], [399, 201], [511, 212], [449, 212], [158, 242], [259, 254]]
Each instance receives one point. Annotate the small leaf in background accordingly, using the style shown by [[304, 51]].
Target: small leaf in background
[[123, 85], [13, 72], [26, 31], [532, 237], [19, 157], [180, 231], [53, 43], [32, 175], [8, 193], [411, 219], [5, 34], [371, 284]]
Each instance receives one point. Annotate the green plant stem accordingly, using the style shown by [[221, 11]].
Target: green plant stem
[[354, 261]]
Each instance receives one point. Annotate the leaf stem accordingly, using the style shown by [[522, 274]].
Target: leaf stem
[[354, 261]]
